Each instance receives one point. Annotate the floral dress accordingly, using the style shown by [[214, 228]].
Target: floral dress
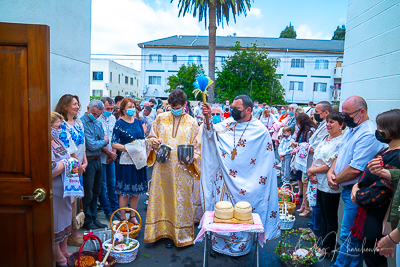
[[62, 208], [130, 181]]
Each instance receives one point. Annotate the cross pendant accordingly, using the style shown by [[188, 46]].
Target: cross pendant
[[233, 153]]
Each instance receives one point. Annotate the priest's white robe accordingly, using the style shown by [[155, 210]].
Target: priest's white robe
[[250, 176]]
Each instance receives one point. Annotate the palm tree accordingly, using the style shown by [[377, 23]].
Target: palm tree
[[217, 11]]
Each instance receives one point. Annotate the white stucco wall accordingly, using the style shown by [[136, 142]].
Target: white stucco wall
[[70, 26], [372, 54]]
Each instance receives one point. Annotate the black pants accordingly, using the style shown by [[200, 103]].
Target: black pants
[[329, 205], [92, 180]]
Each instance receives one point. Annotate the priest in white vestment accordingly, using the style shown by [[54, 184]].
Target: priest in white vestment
[[238, 164]]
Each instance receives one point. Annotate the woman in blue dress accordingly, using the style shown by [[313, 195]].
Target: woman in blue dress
[[130, 182]]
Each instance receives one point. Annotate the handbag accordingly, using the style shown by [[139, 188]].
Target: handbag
[[103, 234], [78, 220], [387, 226]]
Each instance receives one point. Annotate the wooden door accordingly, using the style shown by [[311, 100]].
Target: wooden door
[[26, 226]]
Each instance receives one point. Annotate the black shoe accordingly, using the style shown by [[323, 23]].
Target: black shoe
[[309, 224], [58, 265], [108, 217], [213, 253], [169, 244], [90, 226], [117, 216], [99, 224]]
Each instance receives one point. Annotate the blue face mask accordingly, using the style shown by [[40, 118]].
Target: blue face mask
[[177, 112], [283, 111], [130, 112], [91, 117], [107, 113], [290, 113], [216, 119]]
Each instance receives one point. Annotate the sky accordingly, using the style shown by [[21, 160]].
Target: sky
[[118, 26]]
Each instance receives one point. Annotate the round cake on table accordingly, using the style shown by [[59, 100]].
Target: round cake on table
[[243, 211], [224, 210]]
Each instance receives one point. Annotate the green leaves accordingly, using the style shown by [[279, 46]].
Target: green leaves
[[288, 32], [340, 33], [249, 71], [185, 78]]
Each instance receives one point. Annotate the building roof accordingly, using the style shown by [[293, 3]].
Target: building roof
[[279, 44]]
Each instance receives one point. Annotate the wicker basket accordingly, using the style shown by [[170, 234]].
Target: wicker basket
[[285, 251], [132, 234], [96, 255], [286, 225], [284, 194], [291, 207]]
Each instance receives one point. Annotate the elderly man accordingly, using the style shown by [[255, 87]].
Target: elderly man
[[198, 115], [358, 146], [216, 113], [237, 164], [95, 140], [108, 199], [292, 117], [145, 115], [153, 114]]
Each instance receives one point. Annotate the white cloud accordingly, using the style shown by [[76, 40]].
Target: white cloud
[[305, 32], [254, 12], [118, 26]]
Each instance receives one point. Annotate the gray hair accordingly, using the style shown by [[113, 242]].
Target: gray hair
[[293, 106], [325, 105], [147, 108], [96, 103], [108, 99], [274, 110]]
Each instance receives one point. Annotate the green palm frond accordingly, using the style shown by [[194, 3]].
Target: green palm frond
[[224, 8]]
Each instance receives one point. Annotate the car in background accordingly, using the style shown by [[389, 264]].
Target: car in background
[[156, 106]]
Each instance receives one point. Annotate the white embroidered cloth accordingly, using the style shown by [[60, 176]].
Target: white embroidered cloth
[[71, 183], [301, 158], [207, 225], [135, 154]]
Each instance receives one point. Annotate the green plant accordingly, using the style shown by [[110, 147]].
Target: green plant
[[286, 251], [96, 97]]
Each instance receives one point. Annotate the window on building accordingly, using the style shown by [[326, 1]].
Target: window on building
[[298, 86], [137, 82], [154, 58], [110, 77], [195, 59], [221, 60], [97, 75], [97, 92], [278, 61], [126, 79], [339, 63], [110, 93], [321, 64], [319, 87], [154, 79], [297, 63], [118, 93], [131, 81], [119, 78], [174, 58]]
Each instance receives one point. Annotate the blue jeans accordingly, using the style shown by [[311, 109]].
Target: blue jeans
[[350, 253], [108, 198], [316, 220]]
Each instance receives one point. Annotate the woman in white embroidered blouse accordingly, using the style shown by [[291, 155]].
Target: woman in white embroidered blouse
[[73, 139], [328, 199]]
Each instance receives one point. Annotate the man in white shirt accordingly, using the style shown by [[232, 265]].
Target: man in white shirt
[[145, 116], [257, 110], [309, 108], [198, 114], [108, 199]]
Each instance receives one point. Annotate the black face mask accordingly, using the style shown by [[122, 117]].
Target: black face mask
[[350, 122], [237, 114], [317, 117], [381, 137]]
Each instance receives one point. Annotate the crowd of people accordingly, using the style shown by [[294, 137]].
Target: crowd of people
[[328, 154]]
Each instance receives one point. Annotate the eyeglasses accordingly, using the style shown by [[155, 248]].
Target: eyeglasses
[[347, 116], [214, 114]]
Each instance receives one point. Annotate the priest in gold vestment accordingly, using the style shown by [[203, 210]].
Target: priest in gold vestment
[[174, 202]]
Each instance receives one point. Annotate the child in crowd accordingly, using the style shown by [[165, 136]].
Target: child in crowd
[[285, 153], [227, 114]]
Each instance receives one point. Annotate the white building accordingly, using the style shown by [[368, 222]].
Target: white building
[[108, 78], [310, 70], [69, 23], [372, 54]]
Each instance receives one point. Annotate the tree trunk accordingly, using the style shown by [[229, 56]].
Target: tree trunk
[[212, 40]]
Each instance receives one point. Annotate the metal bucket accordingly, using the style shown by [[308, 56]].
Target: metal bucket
[[163, 153], [186, 154]]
